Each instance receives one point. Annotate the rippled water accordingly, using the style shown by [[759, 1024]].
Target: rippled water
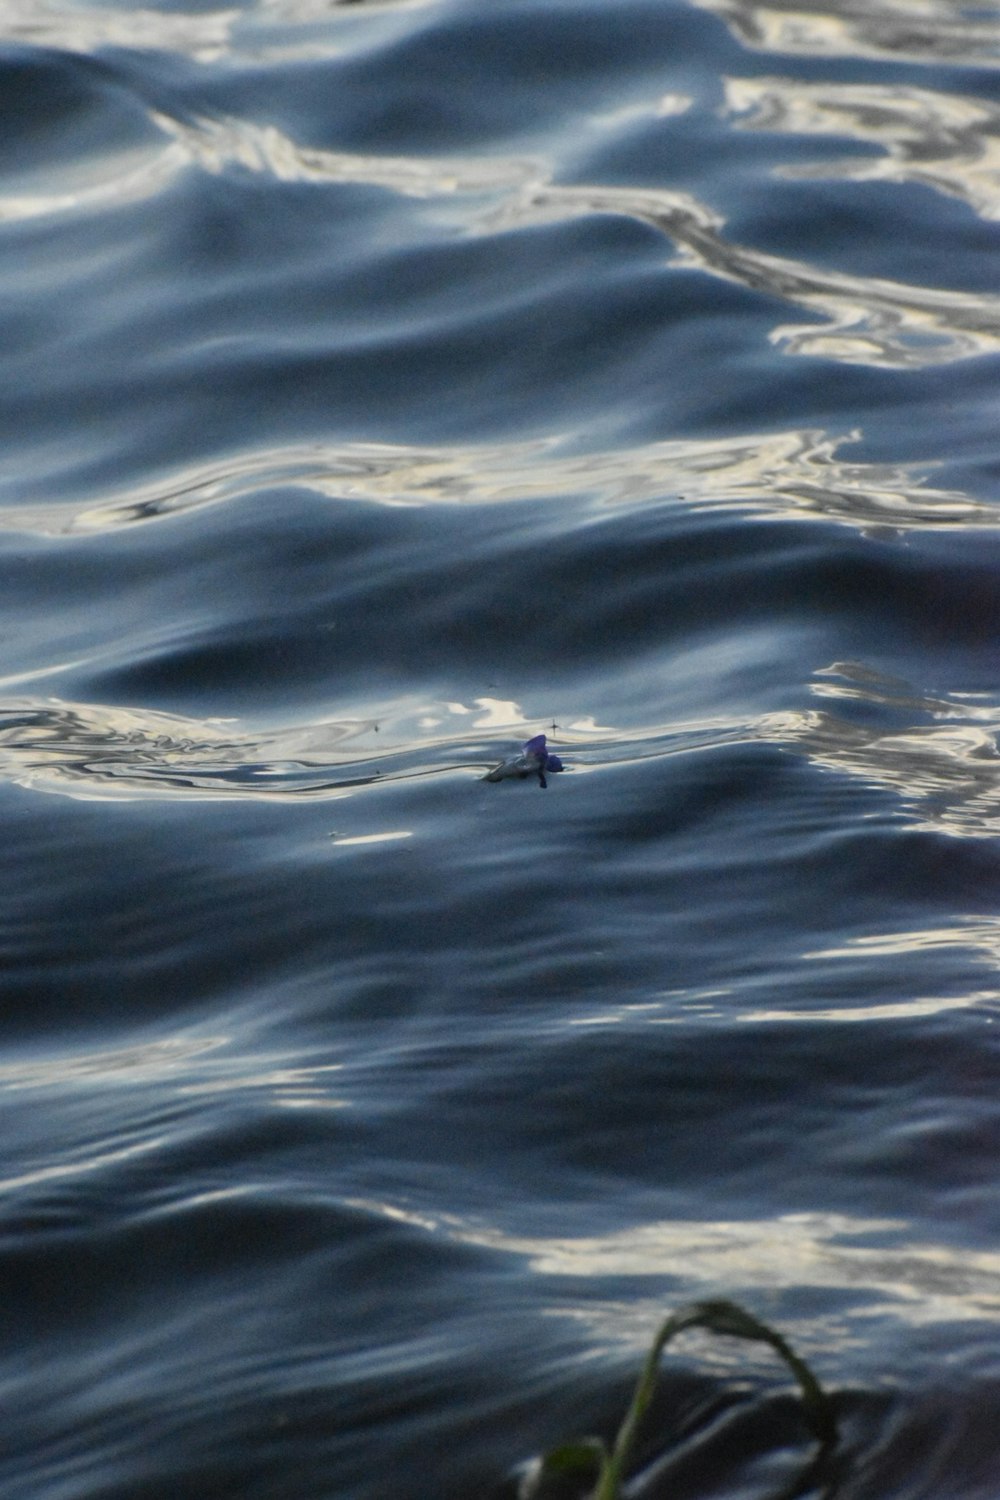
[[386, 383]]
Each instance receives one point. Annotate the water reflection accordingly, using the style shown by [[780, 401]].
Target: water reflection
[[795, 474], [69, 27], [389, 837], [868, 320], [96, 751], [188, 1064], [947, 142], [919, 1007], [97, 1160], [871, 320], [215, 144], [700, 1008], [222, 143], [145, 1062], [903, 1280], [975, 933], [946, 769], [274, 29], [111, 182], [315, 12], [920, 31]]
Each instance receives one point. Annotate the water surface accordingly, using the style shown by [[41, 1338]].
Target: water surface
[[387, 383]]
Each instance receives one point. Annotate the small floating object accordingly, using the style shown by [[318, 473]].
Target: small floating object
[[534, 760]]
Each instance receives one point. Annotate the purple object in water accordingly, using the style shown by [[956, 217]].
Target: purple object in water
[[534, 760]]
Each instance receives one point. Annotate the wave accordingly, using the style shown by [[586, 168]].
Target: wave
[[795, 474]]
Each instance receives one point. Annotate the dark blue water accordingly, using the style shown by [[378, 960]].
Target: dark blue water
[[384, 384]]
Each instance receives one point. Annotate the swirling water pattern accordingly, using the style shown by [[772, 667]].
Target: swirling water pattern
[[386, 382]]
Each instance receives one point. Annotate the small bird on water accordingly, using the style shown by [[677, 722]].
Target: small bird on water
[[533, 760]]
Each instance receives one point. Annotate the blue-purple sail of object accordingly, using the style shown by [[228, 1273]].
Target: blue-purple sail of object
[[533, 760]]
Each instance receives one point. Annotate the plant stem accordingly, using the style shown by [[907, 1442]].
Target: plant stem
[[717, 1317]]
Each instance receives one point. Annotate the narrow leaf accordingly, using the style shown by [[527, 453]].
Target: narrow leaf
[[718, 1317]]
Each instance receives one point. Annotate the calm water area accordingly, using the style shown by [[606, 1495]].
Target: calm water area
[[385, 384]]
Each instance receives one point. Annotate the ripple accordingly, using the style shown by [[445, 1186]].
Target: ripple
[[699, 1006], [129, 177], [163, 1071], [947, 770], [151, 1061], [872, 321], [893, 30], [796, 474], [912, 1283], [216, 144], [222, 143], [947, 142], [272, 28], [99, 752], [96, 751], [204, 38]]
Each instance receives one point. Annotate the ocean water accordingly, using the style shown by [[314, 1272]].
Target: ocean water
[[385, 384]]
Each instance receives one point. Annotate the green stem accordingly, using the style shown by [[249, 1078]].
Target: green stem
[[718, 1317]]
